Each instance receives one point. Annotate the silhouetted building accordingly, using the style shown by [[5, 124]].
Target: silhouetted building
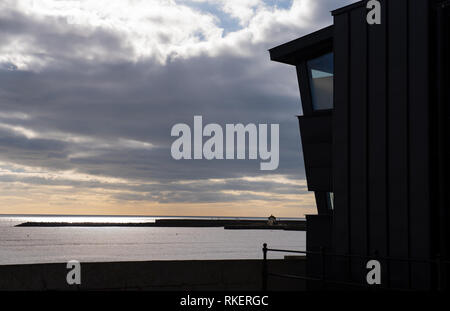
[[375, 139]]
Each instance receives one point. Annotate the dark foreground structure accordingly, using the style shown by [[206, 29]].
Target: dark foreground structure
[[375, 140], [182, 275]]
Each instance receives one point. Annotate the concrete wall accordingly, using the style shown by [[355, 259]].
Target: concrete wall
[[154, 275]]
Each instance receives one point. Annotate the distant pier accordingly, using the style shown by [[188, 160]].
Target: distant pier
[[240, 224]]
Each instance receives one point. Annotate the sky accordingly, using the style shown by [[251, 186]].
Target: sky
[[89, 92]]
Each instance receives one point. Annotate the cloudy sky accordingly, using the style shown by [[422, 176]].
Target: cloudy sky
[[89, 92]]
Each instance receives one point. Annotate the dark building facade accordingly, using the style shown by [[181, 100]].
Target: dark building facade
[[375, 139]]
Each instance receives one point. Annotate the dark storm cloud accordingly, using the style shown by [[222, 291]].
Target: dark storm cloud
[[90, 107], [33, 152], [143, 101]]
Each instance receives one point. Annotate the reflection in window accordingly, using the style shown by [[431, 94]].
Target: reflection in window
[[321, 80]]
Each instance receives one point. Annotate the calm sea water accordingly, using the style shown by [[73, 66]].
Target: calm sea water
[[21, 245]]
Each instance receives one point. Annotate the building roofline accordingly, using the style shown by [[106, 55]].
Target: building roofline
[[299, 49], [349, 7]]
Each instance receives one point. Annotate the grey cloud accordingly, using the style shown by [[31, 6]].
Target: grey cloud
[[143, 101], [109, 99], [170, 192]]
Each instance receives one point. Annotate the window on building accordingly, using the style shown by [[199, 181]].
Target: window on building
[[320, 72], [330, 200]]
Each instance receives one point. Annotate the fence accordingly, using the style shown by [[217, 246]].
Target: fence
[[440, 268]]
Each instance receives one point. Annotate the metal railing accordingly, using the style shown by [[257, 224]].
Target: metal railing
[[437, 262]]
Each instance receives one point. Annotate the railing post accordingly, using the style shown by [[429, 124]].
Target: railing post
[[264, 268]]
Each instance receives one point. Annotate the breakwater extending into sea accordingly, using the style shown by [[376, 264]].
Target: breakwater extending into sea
[[241, 224]]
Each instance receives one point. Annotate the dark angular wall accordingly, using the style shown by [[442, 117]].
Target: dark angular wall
[[381, 150]]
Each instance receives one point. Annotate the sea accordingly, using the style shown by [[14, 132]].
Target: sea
[[26, 245]]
